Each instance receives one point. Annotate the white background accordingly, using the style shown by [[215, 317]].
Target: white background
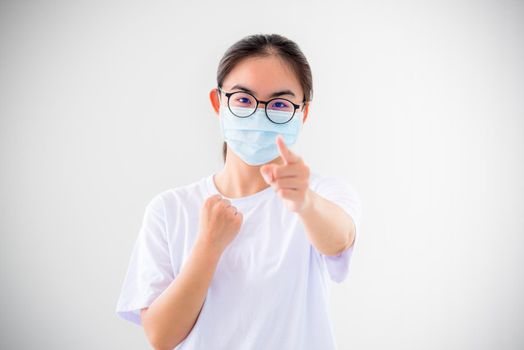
[[419, 104]]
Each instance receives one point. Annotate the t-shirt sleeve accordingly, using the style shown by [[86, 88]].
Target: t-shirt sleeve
[[150, 270], [339, 191]]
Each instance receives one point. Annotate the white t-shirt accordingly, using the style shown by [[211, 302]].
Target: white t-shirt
[[269, 290]]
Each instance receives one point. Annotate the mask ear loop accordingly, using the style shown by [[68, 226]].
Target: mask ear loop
[[219, 94], [304, 104]]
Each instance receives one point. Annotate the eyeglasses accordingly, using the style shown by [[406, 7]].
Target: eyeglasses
[[243, 104]]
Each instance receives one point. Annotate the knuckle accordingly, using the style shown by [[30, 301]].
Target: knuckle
[[213, 198], [224, 203]]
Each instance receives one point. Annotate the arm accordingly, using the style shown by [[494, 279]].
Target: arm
[[173, 314], [329, 228], [170, 318]]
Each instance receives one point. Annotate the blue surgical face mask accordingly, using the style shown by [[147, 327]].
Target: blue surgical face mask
[[253, 138]]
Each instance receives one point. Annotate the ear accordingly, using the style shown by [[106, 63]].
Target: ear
[[306, 110], [215, 101]]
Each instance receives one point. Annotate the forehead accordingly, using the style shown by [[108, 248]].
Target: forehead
[[264, 75]]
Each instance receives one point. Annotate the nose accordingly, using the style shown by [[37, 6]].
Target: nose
[[262, 102]]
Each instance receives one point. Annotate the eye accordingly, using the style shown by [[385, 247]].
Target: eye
[[243, 100], [280, 104]]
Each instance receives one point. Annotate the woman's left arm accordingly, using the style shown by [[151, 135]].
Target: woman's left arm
[[329, 228]]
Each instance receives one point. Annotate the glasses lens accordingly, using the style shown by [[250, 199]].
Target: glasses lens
[[280, 110], [242, 104]]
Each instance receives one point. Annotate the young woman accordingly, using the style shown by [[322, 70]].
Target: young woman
[[241, 258]]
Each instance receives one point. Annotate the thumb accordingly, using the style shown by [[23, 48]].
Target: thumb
[[267, 172]]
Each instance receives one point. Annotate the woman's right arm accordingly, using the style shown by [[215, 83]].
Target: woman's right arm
[[171, 316]]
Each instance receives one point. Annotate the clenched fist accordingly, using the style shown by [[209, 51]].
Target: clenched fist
[[219, 222]]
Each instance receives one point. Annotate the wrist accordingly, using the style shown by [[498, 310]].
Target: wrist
[[309, 203], [209, 248]]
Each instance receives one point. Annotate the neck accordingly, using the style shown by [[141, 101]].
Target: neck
[[238, 179]]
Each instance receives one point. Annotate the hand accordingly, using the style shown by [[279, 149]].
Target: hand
[[219, 222], [290, 180]]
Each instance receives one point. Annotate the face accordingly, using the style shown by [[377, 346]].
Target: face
[[263, 76]]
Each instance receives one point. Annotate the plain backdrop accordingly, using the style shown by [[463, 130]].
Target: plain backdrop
[[418, 104]]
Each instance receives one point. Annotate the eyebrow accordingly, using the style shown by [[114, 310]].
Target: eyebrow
[[274, 94]]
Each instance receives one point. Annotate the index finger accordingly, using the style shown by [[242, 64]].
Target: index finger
[[285, 152]]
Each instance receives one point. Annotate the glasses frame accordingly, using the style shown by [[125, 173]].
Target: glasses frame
[[228, 95]]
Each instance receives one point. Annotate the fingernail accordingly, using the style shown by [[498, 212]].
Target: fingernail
[[265, 175]]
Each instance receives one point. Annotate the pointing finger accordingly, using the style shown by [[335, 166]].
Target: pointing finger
[[285, 152]]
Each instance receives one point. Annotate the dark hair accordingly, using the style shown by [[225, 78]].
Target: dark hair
[[261, 45]]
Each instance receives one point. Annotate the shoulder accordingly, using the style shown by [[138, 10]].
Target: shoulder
[[179, 195], [341, 191], [337, 188], [320, 181]]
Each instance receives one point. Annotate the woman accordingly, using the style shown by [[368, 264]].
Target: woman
[[240, 259]]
